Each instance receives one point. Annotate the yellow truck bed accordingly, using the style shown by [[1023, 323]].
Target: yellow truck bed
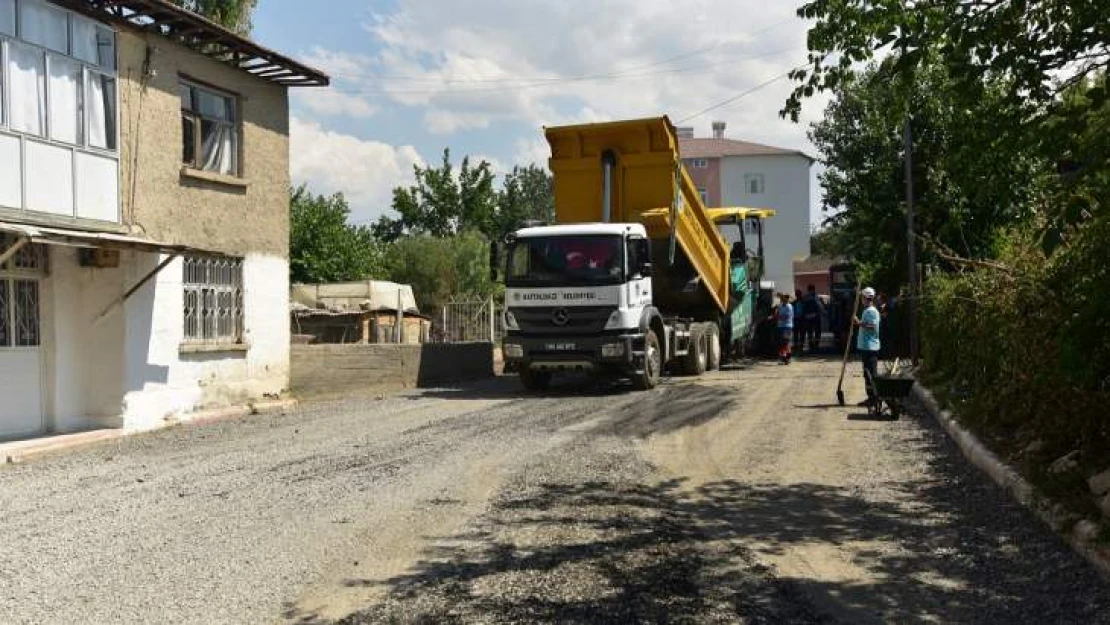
[[649, 185]]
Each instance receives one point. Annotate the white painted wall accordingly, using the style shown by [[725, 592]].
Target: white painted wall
[[86, 358], [160, 382], [787, 182], [127, 371]]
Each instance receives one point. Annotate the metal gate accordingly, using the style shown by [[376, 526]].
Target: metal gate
[[469, 321]]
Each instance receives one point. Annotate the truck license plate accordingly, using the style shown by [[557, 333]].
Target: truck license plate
[[561, 347]]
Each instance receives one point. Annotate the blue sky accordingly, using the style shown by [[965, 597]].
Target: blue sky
[[411, 77]]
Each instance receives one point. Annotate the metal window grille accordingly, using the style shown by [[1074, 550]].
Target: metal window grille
[[213, 290]]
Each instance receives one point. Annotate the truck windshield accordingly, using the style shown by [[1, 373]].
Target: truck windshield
[[558, 260]]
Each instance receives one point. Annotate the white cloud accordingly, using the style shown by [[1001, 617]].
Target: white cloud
[[364, 171], [465, 73], [332, 103]]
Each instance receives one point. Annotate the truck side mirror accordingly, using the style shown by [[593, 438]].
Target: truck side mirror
[[643, 257], [493, 261]]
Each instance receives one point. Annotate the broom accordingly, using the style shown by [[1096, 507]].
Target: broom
[[847, 347]]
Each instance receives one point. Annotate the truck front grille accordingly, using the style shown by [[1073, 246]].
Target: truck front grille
[[550, 319]]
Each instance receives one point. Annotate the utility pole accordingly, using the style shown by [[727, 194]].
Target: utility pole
[[911, 246]]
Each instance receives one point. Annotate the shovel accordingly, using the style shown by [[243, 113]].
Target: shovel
[[847, 347]]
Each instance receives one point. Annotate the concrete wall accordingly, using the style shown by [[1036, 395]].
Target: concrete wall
[[708, 178], [787, 191], [338, 369], [130, 370], [248, 214]]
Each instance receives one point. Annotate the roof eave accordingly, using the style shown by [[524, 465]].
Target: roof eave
[[203, 36]]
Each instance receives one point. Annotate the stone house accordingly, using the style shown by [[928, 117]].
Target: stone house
[[144, 222]]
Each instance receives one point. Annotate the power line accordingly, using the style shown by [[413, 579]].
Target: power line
[[544, 79], [738, 96], [558, 81]]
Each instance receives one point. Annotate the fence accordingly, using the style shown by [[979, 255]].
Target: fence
[[469, 321]]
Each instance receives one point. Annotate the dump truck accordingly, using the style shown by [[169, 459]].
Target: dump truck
[[636, 276]]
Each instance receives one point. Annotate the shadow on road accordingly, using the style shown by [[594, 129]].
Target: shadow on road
[[947, 548]]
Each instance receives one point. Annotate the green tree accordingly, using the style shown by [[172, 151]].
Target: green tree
[[441, 269], [969, 178], [324, 247], [1029, 42], [234, 15], [441, 203], [526, 195]]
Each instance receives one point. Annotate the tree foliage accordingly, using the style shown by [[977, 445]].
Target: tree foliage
[[444, 203], [526, 195], [441, 269], [441, 203], [969, 179], [1027, 43], [324, 247], [234, 15]]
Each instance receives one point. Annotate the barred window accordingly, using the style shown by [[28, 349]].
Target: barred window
[[213, 288]]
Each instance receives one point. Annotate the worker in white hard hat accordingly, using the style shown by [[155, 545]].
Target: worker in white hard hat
[[867, 341]]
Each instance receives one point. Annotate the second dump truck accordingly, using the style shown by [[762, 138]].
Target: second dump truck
[[637, 275]]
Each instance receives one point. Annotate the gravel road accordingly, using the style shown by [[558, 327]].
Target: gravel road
[[738, 497]]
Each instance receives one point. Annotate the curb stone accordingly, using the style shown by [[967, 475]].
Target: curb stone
[[1081, 536]]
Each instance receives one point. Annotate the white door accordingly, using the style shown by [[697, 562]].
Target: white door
[[21, 379]]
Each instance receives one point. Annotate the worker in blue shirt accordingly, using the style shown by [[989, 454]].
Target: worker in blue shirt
[[784, 314], [867, 341]]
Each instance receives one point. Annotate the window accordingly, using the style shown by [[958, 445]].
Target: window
[[7, 17], [27, 99], [210, 133], [44, 25], [213, 289], [65, 99], [59, 103], [101, 100], [753, 183], [699, 163], [751, 226], [19, 296], [704, 196]]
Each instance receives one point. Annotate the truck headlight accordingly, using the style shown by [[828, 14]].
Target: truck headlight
[[512, 350], [510, 322], [614, 322], [612, 350]]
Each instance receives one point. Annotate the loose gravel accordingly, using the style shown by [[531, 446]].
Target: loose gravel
[[740, 497]]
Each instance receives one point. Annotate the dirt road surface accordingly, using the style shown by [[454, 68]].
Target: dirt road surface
[[742, 496]]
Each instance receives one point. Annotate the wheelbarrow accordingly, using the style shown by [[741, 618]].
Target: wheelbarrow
[[889, 394]]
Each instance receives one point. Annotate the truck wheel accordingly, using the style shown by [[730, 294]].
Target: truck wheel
[[535, 381], [696, 358], [713, 347], [653, 364]]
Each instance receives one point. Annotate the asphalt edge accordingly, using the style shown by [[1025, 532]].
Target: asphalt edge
[[65, 442], [1080, 536]]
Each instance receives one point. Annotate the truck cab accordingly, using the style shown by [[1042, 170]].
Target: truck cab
[[579, 298]]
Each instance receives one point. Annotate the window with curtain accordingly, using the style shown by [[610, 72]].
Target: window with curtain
[[44, 25], [101, 106], [27, 101], [210, 132], [93, 43], [7, 17], [65, 100]]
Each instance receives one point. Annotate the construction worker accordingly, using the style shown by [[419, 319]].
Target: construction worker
[[867, 341]]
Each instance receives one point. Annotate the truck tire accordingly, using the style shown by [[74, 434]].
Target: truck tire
[[535, 381], [713, 347], [648, 378], [696, 359]]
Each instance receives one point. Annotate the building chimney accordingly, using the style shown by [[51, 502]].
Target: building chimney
[[718, 130], [685, 132]]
